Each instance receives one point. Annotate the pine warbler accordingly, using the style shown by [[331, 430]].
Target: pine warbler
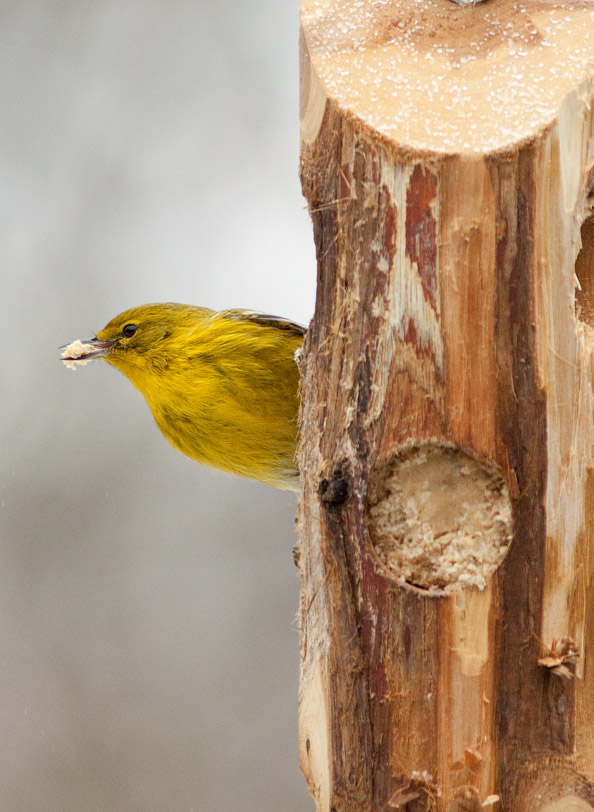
[[222, 386]]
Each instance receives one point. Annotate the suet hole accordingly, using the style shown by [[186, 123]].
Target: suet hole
[[439, 519], [584, 271]]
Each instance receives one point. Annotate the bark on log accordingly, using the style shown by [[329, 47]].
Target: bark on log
[[448, 404]]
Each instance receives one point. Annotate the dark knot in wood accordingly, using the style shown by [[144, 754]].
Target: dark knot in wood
[[335, 490]]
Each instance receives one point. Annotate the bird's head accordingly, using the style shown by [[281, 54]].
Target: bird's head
[[139, 339]]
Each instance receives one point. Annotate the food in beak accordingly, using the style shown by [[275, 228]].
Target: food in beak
[[78, 353]]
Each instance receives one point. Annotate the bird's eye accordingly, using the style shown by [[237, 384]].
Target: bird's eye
[[129, 330]]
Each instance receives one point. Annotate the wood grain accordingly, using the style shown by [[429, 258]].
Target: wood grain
[[447, 226]]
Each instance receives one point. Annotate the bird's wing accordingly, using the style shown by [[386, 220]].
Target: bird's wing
[[266, 320]]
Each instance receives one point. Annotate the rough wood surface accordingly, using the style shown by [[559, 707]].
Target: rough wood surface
[[447, 157]]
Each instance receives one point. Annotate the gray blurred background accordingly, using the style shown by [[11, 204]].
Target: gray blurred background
[[148, 643]]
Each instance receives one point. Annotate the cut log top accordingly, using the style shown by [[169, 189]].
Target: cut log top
[[437, 77]]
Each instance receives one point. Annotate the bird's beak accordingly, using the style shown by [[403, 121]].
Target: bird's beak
[[86, 350]]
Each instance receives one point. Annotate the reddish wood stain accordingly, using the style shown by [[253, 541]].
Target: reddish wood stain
[[421, 245]]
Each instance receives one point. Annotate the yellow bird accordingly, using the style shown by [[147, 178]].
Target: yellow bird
[[222, 386]]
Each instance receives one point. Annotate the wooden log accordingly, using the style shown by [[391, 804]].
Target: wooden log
[[447, 158]]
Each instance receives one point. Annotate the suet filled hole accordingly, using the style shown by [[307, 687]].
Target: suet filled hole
[[584, 271], [439, 519]]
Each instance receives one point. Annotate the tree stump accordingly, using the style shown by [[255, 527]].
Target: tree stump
[[446, 515]]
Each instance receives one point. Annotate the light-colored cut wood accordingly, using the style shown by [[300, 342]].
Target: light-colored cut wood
[[447, 157], [569, 804]]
